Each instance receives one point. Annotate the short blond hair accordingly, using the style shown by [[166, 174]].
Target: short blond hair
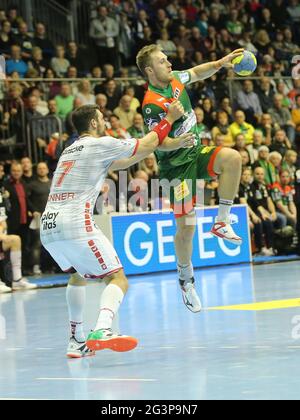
[[143, 59]]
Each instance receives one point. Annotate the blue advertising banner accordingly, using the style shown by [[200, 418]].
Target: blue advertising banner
[[145, 242]]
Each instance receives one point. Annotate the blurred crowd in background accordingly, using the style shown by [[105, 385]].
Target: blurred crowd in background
[[260, 118]]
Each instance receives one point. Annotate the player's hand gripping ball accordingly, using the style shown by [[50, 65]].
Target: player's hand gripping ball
[[245, 64]]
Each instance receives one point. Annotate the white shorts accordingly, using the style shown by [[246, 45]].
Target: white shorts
[[92, 258]]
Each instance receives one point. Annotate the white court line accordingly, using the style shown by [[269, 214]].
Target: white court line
[[97, 379]]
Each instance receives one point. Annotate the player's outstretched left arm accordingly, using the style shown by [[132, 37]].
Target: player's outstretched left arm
[[207, 70]]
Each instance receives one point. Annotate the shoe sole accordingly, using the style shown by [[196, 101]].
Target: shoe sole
[[117, 344], [232, 241], [77, 356], [190, 309]]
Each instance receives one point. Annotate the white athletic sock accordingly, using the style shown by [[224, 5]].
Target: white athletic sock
[[76, 296], [224, 210], [111, 299], [186, 272], [16, 262]]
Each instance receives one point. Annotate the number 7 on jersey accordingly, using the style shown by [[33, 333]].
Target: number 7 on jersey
[[66, 167]]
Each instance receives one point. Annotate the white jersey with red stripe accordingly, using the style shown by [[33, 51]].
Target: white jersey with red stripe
[[77, 183]]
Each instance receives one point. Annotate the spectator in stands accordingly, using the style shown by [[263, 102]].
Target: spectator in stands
[[43, 42], [283, 197], [275, 159], [135, 103], [258, 141], [25, 41], [209, 113], [233, 25], [289, 164], [64, 101], [240, 126], [264, 163], [18, 216], [27, 170], [59, 63], [7, 39], [262, 229], [85, 93], [183, 40], [116, 129], [112, 92], [167, 45], [281, 143], [296, 116], [76, 58], [137, 130], [266, 94], [200, 117], [150, 167], [15, 63], [42, 106], [248, 101], [282, 117], [265, 206], [181, 62], [262, 42], [31, 109], [14, 19], [101, 101], [38, 193], [104, 31], [37, 61], [125, 114], [225, 106], [142, 22]]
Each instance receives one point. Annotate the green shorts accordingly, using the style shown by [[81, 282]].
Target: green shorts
[[183, 192]]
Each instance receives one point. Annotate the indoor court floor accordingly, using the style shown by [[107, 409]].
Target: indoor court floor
[[244, 345]]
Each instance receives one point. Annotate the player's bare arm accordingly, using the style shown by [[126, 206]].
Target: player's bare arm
[[207, 70]]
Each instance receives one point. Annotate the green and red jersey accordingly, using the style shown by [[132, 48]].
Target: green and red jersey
[[155, 108]]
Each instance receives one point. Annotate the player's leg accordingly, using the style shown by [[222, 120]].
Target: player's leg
[[186, 227], [76, 298], [13, 244], [226, 163], [111, 299]]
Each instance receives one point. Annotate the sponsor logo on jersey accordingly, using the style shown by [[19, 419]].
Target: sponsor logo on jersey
[[184, 77], [70, 150], [54, 198], [148, 111], [186, 125], [48, 221], [162, 116], [97, 254], [177, 93], [151, 123], [88, 218]]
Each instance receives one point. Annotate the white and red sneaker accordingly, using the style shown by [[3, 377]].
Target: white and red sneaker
[[224, 231]]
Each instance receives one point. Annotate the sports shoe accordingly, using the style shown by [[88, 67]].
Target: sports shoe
[[190, 297], [23, 284], [106, 339], [224, 231], [4, 288], [78, 350]]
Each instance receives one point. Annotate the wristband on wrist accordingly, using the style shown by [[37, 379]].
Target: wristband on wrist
[[162, 130]]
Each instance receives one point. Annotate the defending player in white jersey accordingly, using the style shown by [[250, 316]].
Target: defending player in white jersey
[[70, 234]]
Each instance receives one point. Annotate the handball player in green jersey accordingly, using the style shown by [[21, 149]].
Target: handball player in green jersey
[[186, 166]]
